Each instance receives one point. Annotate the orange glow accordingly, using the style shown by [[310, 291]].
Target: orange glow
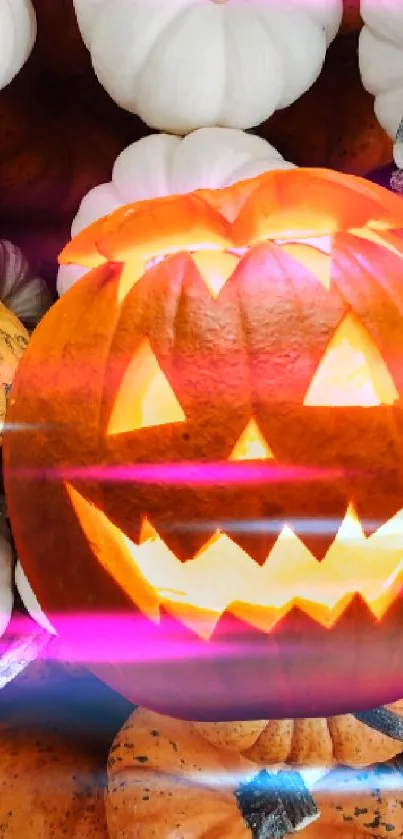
[[215, 267], [316, 261], [352, 371], [251, 445], [110, 547], [385, 238], [261, 595], [132, 271], [145, 397], [278, 204]]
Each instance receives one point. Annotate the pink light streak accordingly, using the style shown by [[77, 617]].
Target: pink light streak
[[191, 473]]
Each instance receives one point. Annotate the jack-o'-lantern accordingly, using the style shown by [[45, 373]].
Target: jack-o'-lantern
[[214, 449]]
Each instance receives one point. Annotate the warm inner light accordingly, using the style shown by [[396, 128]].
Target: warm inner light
[[145, 397], [352, 371], [222, 576], [385, 238], [217, 264], [251, 445], [215, 267], [317, 262]]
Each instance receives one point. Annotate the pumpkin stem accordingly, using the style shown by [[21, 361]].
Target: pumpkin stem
[[275, 804], [382, 720]]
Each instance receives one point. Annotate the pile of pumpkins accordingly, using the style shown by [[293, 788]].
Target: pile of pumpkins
[[136, 111]]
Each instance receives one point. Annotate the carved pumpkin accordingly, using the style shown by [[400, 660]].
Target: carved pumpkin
[[234, 485], [173, 779], [162, 164]]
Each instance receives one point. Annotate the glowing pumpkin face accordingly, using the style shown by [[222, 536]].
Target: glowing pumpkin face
[[216, 447]]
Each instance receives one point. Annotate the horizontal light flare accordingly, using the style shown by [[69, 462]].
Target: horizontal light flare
[[195, 473], [222, 576], [352, 371]]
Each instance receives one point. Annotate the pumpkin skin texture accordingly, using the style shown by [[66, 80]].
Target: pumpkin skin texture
[[232, 444], [166, 79], [381, 59], [48, 786], [184, 164], [157, 790], [304, 742]]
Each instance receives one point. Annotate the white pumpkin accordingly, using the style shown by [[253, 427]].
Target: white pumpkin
[[185, 64], [163, 164], [381, 59], [19, 646], [22, 638], [17, 37], [6, 577], [21, 290]]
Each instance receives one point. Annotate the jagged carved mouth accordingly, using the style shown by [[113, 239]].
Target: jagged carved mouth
[[223, 577]]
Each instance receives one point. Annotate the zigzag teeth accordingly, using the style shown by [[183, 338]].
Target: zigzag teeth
[[223, 577], [291, 576]]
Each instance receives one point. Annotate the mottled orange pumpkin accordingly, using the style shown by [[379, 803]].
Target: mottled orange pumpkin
[[51, 784], [323, 742], [163, 777], [215, 431]]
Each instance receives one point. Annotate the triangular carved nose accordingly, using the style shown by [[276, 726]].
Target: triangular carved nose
[[251, 445]]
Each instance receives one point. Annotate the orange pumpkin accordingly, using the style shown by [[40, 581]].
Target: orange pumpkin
[[237, 464], [333, 124], [50, 785], [309, 742], [164, 777]]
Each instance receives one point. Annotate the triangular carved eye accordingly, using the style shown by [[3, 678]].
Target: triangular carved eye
[[145, 397], [215, 267], [251, 445], [352, 371]]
